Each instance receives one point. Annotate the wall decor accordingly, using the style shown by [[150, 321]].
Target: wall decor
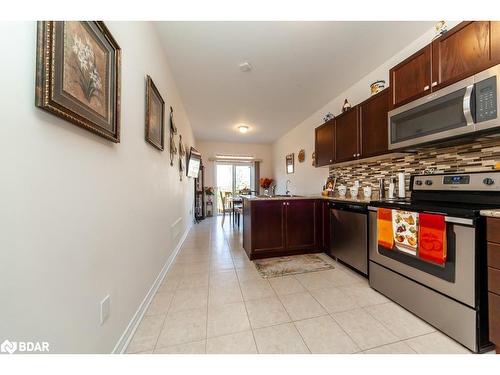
[[173, 132], [377, 86], [182, 156], [78, 75], [346, 106], [290, 163], [301, 157], [329, 116], [155, 116]]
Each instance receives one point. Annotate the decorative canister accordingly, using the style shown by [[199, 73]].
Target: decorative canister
[[377, 86]]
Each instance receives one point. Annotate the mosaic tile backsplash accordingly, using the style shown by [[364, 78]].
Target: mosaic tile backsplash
[[479, 155]]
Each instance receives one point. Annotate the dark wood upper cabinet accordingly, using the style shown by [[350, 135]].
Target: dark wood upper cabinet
[[460, 53], [465, 50], [268, 234], [411, 78], [347, 135], [301, 224], [324, 144], [495, 41], [373, 124]]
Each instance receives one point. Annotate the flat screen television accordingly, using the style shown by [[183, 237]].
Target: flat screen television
[[193, 163]]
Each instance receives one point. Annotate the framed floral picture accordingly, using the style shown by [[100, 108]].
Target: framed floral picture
[[155, 116], [78, 75]]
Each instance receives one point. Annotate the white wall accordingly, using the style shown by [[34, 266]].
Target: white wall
[[259, 151], [308, 179], [81, 217]]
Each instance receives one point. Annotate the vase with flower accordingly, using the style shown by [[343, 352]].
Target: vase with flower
[[265, 183]]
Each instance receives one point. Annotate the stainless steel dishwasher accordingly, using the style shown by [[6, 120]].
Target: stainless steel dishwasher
[[349, 234]]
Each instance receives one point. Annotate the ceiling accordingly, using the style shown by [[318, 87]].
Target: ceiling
[[297, 67]]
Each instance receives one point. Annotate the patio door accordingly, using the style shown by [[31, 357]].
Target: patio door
[[232, 178]]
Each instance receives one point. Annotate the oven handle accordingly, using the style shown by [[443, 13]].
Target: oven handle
[[448, 219], [467, 104], [459, 220]]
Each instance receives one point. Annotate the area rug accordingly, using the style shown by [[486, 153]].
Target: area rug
[[292, 265]]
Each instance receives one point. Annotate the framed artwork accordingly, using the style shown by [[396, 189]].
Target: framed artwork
[[173, 132], [78, 75], [182, 155], [290, 163], [155, 116]]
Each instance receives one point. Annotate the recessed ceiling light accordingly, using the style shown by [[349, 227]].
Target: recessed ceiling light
[[245, 66], [243, 129]]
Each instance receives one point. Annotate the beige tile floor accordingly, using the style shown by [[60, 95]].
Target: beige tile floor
[[214, 301]]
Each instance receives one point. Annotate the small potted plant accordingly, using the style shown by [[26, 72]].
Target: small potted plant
[[209, 192]]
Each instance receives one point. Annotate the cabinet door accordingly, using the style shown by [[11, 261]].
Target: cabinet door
[[411, 79], [300, 227], [461, 52], [374, 124], [324, 144], [268, 232], [495, 42], [347, 136]]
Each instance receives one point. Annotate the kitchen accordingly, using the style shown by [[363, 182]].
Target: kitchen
[[423, 154], [252, 187]]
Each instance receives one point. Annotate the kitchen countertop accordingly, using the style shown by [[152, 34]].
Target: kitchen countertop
[[490, 213], [318, 196]]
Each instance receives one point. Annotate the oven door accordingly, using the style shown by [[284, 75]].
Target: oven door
[[447, 113], [455, 279]]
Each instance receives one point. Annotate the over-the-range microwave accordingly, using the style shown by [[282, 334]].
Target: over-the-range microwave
[[461, 109]]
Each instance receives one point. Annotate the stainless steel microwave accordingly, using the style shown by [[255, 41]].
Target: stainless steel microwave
[[461, 109]]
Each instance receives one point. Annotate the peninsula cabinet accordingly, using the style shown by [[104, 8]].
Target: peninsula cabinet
[[465, 50], [373, 124], [324, 144], [493, 260], [347, 135], [278, 227]]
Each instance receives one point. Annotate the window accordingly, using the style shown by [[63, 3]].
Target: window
[[231, 178]]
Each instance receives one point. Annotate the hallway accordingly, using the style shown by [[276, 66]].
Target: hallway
[[213, 300]]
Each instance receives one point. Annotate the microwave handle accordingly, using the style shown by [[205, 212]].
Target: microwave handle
[[468, 105]]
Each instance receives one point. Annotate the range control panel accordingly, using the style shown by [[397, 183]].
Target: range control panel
[[482, 181]]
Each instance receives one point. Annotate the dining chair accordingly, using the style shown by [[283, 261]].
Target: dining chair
[[224, 197]]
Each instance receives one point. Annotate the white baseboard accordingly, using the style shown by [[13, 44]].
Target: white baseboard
[[127, 335]]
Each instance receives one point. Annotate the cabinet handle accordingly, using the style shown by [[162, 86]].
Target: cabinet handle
[[353, 155], [330, 160], [284, 203], [426, 88], [434, 84]]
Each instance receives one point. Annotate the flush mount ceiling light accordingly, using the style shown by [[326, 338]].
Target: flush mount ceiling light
[[243, 129], [245, 66]]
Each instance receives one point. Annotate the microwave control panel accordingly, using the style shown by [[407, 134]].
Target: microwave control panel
[[486, 99]]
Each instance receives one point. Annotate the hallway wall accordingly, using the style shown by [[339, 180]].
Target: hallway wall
[[82, 217]]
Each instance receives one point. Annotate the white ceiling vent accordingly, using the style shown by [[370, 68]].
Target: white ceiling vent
[[245, 67]]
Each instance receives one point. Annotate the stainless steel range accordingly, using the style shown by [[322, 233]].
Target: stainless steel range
[[452, 294]]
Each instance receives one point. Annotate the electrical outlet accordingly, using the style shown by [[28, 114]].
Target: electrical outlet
[[105, 306]]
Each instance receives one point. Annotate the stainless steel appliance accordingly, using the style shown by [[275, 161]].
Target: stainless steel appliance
[[453, 296], [349, 234], [463, 108]]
